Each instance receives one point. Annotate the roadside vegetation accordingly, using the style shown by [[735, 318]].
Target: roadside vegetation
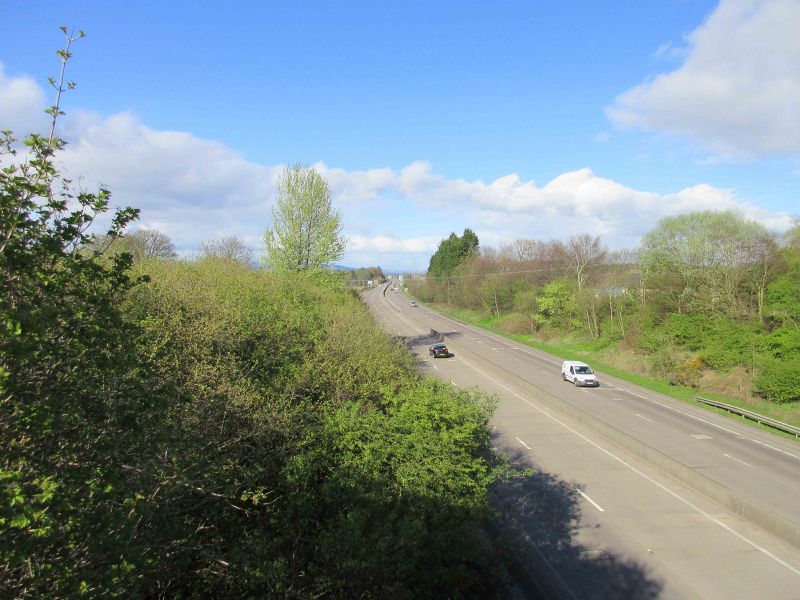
[[203, 429], [709, 304]]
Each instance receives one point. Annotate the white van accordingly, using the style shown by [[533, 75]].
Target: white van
[[579, 373]]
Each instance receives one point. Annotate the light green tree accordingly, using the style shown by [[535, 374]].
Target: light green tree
[[306, 231], [703, 262]]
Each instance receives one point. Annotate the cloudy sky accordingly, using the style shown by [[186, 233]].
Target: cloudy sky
[[518, 119]]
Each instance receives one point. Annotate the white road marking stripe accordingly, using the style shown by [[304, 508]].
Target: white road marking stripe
[[435, 367], [592, 502], [523, 443], [736, 433], [643, 417], [737, 460], [773, 447]]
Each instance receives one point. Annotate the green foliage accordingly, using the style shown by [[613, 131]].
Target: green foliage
[[555, 302], [71, 395], [779, 380], [714, 292], [208, 430], [699, 262], [783, 293], [340, 452], [306, 231], [403, 490], [451, 252]]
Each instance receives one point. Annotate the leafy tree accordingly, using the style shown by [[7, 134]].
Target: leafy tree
[[306, 231], [451, 252], [699, 262], [227, 248], [70, 395], [555, 302]]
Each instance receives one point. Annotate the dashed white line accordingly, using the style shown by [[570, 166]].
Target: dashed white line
[[643, 417], [435, 367], [737, 460], [592, 502], [523, 443]]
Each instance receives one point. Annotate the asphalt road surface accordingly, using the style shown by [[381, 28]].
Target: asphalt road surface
[[684, 503]]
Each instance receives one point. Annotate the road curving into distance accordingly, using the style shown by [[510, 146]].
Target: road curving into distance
[[681, 501]]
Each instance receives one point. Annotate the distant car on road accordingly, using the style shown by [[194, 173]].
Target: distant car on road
[[413, 303], [579, 373], [439, 349]]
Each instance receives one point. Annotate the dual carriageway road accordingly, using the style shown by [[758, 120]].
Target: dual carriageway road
[[633, 494]]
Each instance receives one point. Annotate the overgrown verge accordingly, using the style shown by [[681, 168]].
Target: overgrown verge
[[190, 430], [261, 438]]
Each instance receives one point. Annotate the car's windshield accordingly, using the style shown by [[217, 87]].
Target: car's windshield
[[583, 370]]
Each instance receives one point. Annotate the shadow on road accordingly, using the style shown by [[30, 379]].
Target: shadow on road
[[539, 516], [421, 343]]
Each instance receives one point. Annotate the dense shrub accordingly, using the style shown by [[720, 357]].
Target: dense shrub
[[779, 380], [272, 374], [224, 432]]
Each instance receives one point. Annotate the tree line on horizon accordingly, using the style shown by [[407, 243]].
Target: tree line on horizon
[[705, 291]]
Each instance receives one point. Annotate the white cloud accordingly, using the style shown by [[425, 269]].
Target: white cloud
[[195, 189], [385, 243], [738, 90], [22, 105]]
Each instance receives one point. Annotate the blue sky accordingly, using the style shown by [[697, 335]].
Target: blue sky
[[518, 119]]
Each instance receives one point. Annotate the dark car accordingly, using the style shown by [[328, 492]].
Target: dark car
[[438, 349]]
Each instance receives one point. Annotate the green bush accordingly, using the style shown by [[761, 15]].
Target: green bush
[[778, 380], [784, 342]]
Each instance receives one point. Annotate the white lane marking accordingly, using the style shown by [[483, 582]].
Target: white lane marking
[[737, 460], [707, 422], [592, 502], [646, 477], [435, 367], [523, 443], [643, 417], [773, 448], [453, 383]]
